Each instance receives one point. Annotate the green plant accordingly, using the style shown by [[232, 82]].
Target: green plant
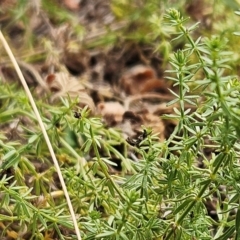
[[215, 121], [163, 194]]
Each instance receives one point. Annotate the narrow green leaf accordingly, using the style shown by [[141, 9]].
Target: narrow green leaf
[[236, 33], [227, 234], [237, 220], [110, 187], [178, 37], [88, 145], [190, 130], [218, 159], [10, 159], [237, 12], [183, 205], [172, 102], [109, 162], [235, 198], [106, 234], [33, 138], [123, 236], [10, 154], [39, 147], [193, 27]]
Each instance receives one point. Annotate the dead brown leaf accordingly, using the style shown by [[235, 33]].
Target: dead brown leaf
[[133, 121], [141, 79], [7, 4], [61, 84], [112, 112], [155, 123], [72, 4]]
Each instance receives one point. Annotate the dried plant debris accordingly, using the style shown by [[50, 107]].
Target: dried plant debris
[[142, 79], [141, 107], [61, 84], [112, 112], [95, 13], [6, 4], [76, 61], [200, 11], [72, 4]]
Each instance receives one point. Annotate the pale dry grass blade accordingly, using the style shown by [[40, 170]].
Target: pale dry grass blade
[[20, 75]]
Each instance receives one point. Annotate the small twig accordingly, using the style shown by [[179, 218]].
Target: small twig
[[161, 97], [149, 96], [20, 75]]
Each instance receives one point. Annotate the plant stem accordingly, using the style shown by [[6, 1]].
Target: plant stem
[[28, 92], [199, 196], [101, 164]]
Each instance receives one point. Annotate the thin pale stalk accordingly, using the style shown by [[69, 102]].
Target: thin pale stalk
[[21, 77]]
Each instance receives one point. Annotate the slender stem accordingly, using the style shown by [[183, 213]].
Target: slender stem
[[194, 47], [221, 159], [181, 99], [28, 92], [80, 159], [101, 164]]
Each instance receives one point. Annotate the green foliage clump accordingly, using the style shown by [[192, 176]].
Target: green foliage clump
[[164, 193]]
